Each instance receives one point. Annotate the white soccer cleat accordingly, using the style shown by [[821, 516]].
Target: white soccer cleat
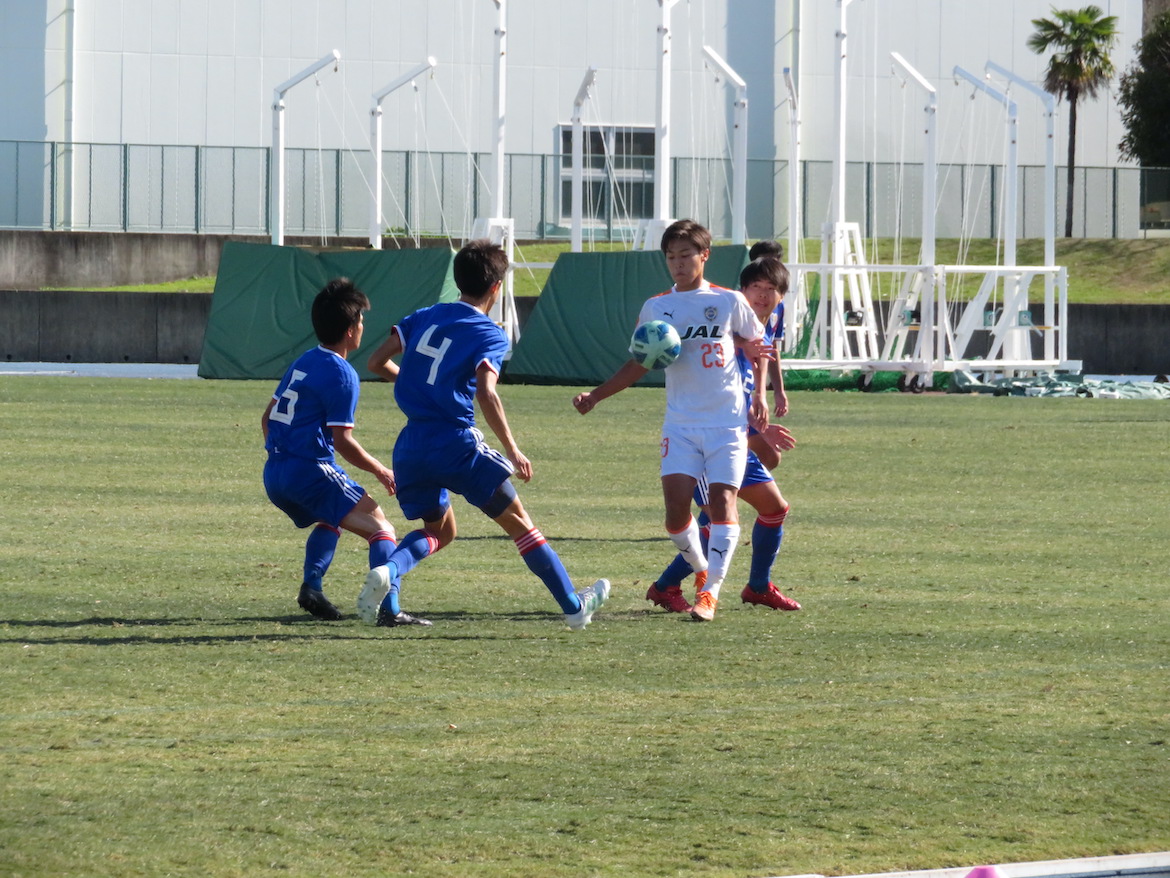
[[591, 600], [376, 588]]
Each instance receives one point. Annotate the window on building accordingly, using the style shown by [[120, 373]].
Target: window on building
[[618, 170]]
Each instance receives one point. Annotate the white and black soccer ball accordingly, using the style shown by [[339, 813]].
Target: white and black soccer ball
[[655, 344]]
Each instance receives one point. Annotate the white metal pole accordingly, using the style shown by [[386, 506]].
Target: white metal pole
[[837, 230], [1049, 157], [738, 148], [926, 299], [577, 197], [930, 168], [500, 103], [839, 115], [1049, 102], [276, 174], [662, 181], [794, 316], [1016, 345], [376, 144]]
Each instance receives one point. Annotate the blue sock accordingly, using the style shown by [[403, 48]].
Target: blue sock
[[545, 563], [704, 521], [767, 533], [676, 571], [415, 546], [382, 548], [390, 602], [319, 549]]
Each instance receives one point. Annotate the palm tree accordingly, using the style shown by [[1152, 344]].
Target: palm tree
[[1078, 68]]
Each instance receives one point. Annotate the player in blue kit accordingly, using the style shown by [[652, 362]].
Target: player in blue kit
[[308, 419], [764, 282], [769, 247], [451, 358]]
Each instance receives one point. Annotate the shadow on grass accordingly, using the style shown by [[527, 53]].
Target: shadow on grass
[[342, 629]]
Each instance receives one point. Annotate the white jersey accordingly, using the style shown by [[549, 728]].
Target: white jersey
[[703, 386]]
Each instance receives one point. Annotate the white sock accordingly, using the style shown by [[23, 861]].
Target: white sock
[[688, 544], [720, 547]]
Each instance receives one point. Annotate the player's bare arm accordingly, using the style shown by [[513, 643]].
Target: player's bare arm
[[776, 374], [349, 448], [264, 418], [619, 381], [493, 412], [755, 348], [381, 361]]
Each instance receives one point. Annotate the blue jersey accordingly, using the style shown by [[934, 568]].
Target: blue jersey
[[443, 346], [745, 366], [319, 391]]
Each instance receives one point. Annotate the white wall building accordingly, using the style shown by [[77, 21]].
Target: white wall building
[[202, 72]]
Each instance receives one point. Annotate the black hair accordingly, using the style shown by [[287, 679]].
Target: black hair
[[337, 308], [688, 231], [478, 267], [766, 268], [767, 247]]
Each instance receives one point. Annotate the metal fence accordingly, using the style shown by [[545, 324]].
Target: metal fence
[[141, 188]]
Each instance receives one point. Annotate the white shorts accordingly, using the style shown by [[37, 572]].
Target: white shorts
[[718, 454]]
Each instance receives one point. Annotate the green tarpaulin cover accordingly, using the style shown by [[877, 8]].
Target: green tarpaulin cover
[[259, 321]]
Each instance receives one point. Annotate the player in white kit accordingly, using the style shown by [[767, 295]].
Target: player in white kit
[[704, 432]]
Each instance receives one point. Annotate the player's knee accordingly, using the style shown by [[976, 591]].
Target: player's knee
[[500, 501]]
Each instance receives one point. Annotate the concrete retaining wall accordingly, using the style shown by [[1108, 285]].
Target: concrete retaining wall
[[31, 260], [84, 327], [100, 327], [1120, 339]]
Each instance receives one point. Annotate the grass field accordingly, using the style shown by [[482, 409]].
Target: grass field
[[980, 674], [1106, 271]]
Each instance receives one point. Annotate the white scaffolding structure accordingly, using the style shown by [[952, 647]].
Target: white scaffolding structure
[[276, 181], [926, 328], [376, 145]]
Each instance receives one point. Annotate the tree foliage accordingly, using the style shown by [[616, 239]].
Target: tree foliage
[[1145, 98], [1080, 41]]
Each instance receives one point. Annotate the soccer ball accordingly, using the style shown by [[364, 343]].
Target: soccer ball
[[655, 344]]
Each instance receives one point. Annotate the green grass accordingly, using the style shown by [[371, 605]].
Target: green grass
[[183, 285], [979, 674], [1107, 271]]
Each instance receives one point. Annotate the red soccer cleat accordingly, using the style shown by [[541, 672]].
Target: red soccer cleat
[[773, 598], [670, 598]]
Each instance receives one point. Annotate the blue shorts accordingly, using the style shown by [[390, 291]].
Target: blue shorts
[[308, 491], [755, 474], [429, 463]]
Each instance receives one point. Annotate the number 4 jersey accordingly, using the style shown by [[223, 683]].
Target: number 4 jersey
[[318, 392], [703, 386], [443, 347]]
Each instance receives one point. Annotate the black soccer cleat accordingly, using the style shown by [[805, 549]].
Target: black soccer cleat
[[314, 602], [386, 619]]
